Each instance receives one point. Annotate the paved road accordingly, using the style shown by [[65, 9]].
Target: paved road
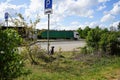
[[64, 45]]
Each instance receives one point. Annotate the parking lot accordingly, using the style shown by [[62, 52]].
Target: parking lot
[[64, 45]]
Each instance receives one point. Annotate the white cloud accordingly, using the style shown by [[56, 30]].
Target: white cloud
[[42, 25], [61, 10], [81, 7], [103, 6], [83, 12], [103, 26], [35, 7], [107, 18], [70, 27], [10, 8], [7, 1], [65, 8], [94, 24], [116, 8], [110, 15], [75, 23], [103, 0], [115, 24]]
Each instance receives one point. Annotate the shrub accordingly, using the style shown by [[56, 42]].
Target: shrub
[[103, 40], [109, 43], [11, 62], [35, 54], [93, 38], [83, 33]]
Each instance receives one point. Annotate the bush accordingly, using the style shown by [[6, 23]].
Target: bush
[[104, 41], [36, 55], [93, 38], [109, 43], [11, 62], [83, 33]]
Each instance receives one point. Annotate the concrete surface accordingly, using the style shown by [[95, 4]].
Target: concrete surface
[[64, 45]]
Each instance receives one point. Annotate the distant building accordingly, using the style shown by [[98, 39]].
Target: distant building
[[23, 31]]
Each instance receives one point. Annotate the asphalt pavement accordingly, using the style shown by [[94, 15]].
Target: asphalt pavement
[[63, 45]]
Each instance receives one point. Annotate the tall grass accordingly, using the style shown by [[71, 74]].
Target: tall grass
[[69, 66]]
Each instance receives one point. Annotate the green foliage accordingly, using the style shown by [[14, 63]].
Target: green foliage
[[84, 50], [83, 33], [118, 34], [87, 50], [80, 32], [87, 67], [39, 33], [113, 44], [103, 40], [35, 54], [93, 38], [118, 26], [11, 62], [109, 43], [30, 31], [29, 27], [105, 30]]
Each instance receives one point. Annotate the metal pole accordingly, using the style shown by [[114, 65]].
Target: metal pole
[[7, 23], [48, 31]]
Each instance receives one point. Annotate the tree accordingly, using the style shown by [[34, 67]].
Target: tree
[[30, 29], [105, 30], [39, 32], [83, 33], [112, 28], [80, 32], [11, 62], [93, 38], [30, 26], [109, 43], [104, 42], [118, 26]]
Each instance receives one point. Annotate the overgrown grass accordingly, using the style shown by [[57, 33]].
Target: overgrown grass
[[68, 66]]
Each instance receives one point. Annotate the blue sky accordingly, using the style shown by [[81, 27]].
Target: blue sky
[[67, 14]]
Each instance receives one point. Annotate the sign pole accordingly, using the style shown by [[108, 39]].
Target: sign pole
[[7, 23], [48, 11], [48, 32]]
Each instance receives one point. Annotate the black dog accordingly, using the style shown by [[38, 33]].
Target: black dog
[[52, 50]]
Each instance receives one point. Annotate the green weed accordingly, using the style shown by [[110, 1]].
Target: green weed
[[88, 67]]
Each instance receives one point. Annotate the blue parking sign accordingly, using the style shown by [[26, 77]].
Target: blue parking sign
[[6, 16], [48, 6]]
